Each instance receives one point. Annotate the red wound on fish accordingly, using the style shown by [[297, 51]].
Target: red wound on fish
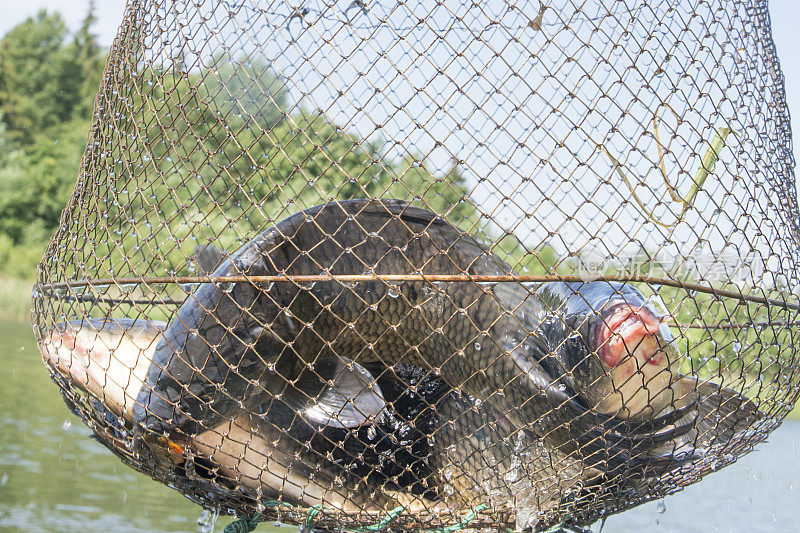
[[623, 331], [65, 339]]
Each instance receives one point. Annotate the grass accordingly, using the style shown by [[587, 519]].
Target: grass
[[15, 298]]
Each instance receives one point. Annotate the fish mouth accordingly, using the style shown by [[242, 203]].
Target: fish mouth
[[626, 330]]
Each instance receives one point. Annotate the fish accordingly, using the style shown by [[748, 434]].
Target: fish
[[206, 258], [107, 357], [578, 384], [425, 444], [499, 343], [486, 458], [267, 455]]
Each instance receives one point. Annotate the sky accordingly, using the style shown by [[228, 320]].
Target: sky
[[784, 14]]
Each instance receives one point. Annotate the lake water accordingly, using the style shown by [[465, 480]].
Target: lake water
[[54, 478]]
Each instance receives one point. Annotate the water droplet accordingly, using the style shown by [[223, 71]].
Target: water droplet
[[661, 507], [393, 291], [372, 433], [511, 476], [477, 346], [66, 425], [207, 520]]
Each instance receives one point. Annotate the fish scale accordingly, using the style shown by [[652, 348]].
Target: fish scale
[[411, 324], [483, 459]]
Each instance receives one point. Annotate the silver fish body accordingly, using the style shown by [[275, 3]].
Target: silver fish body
[[264, 455], [424, 443], [536, 394]]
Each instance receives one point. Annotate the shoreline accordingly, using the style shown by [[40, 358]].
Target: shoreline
[[15, 298]]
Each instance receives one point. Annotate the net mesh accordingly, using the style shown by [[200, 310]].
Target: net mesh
[[430, 264]]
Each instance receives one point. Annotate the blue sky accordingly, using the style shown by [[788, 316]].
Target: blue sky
[[785, 15]]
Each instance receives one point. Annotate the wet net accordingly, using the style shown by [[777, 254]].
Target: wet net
[[430, 264]]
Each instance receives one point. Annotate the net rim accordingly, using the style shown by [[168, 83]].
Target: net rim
[[740, 294]]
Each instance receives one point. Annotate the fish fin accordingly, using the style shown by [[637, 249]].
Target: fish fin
[[617, 446], [350, 396], [710, 419], [723, 412], [207, 258]]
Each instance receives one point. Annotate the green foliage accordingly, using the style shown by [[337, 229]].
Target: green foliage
[[237, 160], [47, 86], [90, 58], [223, 141], [46, 79], [39, 77], [35, 182]]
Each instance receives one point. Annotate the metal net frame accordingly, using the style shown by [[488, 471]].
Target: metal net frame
[[430, 264]]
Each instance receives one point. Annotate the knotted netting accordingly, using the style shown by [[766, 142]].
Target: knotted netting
[[430, 264]]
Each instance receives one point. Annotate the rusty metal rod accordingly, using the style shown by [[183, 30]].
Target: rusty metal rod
[[393, 278]]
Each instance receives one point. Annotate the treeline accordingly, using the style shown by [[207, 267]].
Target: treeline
[[263, 159], [48, 79]]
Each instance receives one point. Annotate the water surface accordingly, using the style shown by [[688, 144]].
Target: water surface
[[53, 477]]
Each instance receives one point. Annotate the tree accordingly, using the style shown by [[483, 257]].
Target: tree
[[47, 87], [89, 56], [43, 80], [35, 183], [39, 81]]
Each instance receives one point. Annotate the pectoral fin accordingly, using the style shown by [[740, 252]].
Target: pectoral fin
[[207, 258], [350, 396], [724, 413], [718, 415]]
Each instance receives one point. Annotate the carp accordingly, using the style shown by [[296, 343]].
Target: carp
[[266, 456], [234, 346], [361, 395]]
